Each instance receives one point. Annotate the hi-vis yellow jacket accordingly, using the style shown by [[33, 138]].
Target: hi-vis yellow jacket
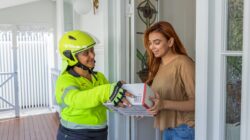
[[81, 101]]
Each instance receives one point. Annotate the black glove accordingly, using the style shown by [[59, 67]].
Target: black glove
[[117, 93]]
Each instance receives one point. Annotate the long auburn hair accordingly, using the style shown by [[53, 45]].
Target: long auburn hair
[[167, 30]]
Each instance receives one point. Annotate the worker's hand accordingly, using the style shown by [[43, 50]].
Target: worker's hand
[[124, 102], [118, 95]]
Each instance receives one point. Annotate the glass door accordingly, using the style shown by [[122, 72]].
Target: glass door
[[146, 13], [232, 55], [141, 15]]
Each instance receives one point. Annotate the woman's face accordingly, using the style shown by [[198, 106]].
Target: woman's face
[[158, 44], [87, 57]]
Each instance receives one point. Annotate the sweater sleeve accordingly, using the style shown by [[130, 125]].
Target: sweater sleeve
[[187, 72]]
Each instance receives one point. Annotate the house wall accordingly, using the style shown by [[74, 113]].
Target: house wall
[[68, 16], [40, 12], [11, 3], [95, 25], [181, 14]]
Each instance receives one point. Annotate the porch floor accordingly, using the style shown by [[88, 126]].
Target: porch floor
[[37, 127]]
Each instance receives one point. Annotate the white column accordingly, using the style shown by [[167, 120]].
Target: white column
[[201, 69], [14, 53], [59, 26]]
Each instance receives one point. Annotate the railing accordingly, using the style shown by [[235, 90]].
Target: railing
[[28, 54], [12, 106], [54, 75]]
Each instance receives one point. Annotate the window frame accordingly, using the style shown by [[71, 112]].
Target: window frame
[[245, 106], [210, 70]]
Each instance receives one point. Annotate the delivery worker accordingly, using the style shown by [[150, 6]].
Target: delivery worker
[[81, 92]]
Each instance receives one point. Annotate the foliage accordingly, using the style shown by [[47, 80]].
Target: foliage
[[234, 68], [235, 25], [235, 37], [143, 59], [234, 63]]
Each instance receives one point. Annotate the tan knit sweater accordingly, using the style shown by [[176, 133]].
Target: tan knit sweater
[[175, 81]]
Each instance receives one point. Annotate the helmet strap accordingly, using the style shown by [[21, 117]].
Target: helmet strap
[[90, 70]]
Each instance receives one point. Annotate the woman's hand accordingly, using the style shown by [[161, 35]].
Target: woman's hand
[[158, 105]]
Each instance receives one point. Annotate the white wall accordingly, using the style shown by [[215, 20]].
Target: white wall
[[68, 16], [95, 24], [11, 3], [42, 12], [181, 14]]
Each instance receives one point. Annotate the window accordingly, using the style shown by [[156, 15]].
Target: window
[[233, 68]]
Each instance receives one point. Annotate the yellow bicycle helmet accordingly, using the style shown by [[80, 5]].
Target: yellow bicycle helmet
[[72, 43]]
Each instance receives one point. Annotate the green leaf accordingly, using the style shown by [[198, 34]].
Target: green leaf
[[139, 55]]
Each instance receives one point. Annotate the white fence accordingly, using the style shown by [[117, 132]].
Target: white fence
[[32, 68], [6, 65]]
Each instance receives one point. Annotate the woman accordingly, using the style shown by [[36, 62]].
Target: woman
[[172, 78], [81, 92]]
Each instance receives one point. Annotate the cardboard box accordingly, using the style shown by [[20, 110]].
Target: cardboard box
[[140, 102]]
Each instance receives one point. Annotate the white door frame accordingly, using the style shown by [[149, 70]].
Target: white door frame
[[210, 102], [201, 69], [119, 126], [121, 25], [245, 98]]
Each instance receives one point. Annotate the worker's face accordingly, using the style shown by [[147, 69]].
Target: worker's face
[[158, 44], [87, 57]]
